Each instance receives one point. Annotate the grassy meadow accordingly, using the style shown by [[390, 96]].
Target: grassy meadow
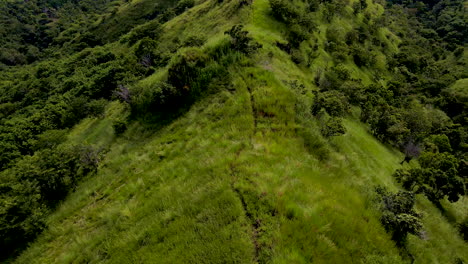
[[242, 176]]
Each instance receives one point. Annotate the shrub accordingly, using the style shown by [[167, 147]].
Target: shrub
[[149, 30], [463, 228], [286, 47], [297, 34], [296, 56], [240, 40], [333, 102], [96, 108], [342, 72], [333, 127], [119, 127], [284, 10], [161, 96], [361, 56], [183, 5], [194, 41], [146, 47], [354, 91], [438, 143], [300, 23], [185, 68], [50, 139]]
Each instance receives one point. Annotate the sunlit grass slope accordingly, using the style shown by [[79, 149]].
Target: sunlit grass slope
[[244, 176]]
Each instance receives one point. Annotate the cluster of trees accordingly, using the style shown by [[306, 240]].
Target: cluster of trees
[[41, 101], [36, 29], [34, 186], [430, 62], [410, 104], [55, 72], [28, 28]]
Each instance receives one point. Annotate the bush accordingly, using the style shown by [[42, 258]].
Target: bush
[[149, 30], [119, 127], [333, 127], [439, 143], [240, 40], [361, 56], [354, 91], [186, 67], [183, 5], [284, 10], [463, 228], [161, 96], [296, 56], [146, 47], [194, 41], [297, 34], [334, 103]]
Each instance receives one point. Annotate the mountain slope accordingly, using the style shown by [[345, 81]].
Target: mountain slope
[[243, 173]]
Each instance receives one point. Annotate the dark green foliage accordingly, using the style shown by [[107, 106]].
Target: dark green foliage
[[333, 8], [35, 186], [463, 227], [333, 127], [194, 41], [296, 35], [146, 47], [398, 215], [186, 68], [299, 21], [240, 40], [183, 5], [50, 139], [297, 57], [361, 56], [438, 143], [161, 96], [119, 127], [118, 24], [333, 102], [437, 178], [284, 10], [31, 27], [149, 30]]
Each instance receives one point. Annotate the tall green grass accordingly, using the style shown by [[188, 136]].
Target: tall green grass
[[244, 176]]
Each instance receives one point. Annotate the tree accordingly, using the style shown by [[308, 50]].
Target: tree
[[437, 178], [398, 215]]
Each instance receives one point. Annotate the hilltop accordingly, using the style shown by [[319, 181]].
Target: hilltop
[[233, 131]]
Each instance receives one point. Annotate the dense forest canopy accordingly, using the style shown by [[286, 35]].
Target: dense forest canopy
[[62, 61]]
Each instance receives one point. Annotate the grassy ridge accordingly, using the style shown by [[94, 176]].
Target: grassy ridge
[[243, 177]]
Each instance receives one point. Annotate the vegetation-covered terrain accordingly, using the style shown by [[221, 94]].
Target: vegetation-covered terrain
[[233, 131]]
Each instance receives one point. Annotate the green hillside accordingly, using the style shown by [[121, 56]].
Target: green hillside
[[185, 138]]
